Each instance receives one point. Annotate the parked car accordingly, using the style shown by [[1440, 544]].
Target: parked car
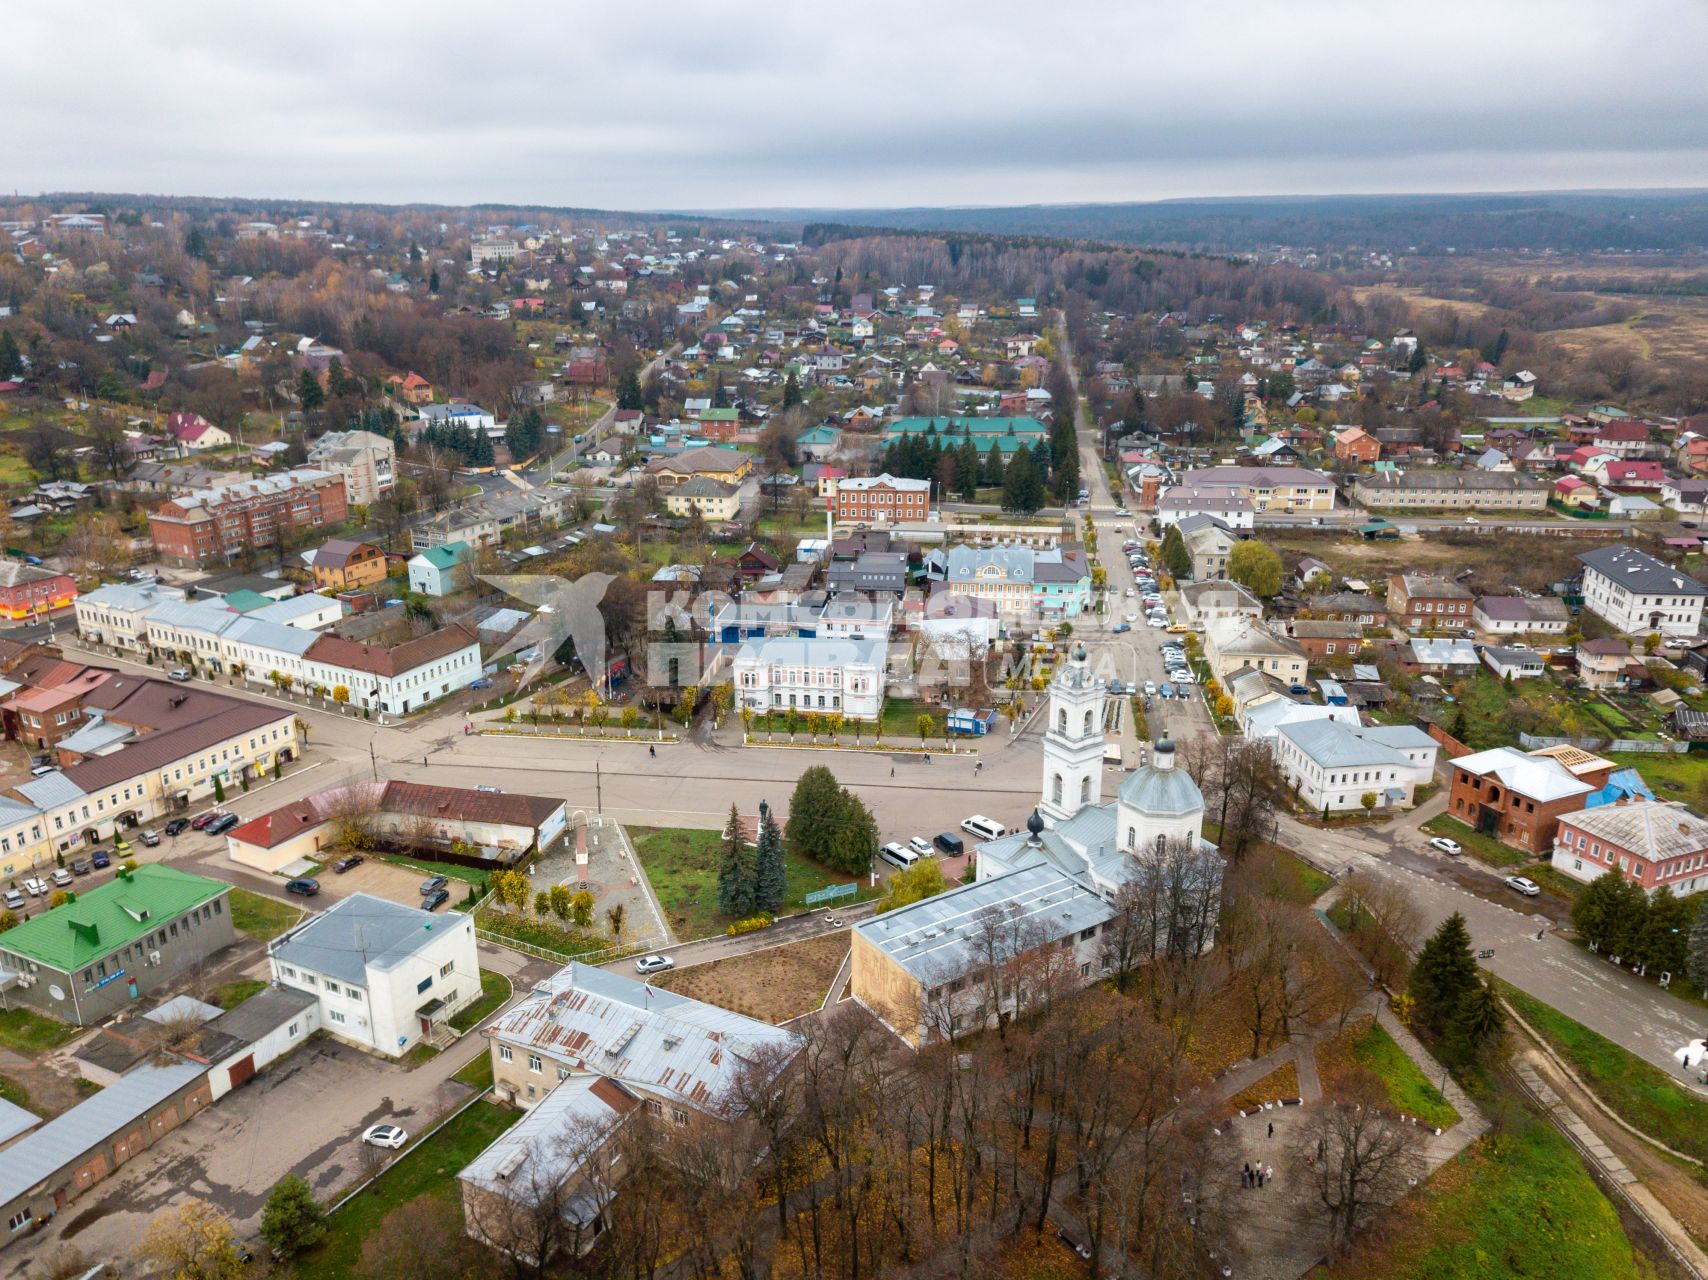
[[1449, 847], [1154, 621], [42, 770], [61, 877], [202, 821], [1121, 627], [1150, 688], [433, 901], [225, 822], [433, 884], [490, 790], [1132, 617], [80, 866], [37, 888], [303, 886], [1525, 885], [14, 900], [384, 1135], [347, 864], [176, 825], [102, 859], [654, 964], [482, 683], [920, 845], [1167, 689], [179, 674], [149, 838], [950, 843]]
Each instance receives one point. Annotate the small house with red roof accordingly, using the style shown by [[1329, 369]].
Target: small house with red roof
[[413, 389], [192, 431]]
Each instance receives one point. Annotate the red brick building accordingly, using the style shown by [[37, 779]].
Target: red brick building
[[883, 497], [216, 524], [28, 592], [1519, 799], [1354, 444], [1649, 842], [1417, 601]]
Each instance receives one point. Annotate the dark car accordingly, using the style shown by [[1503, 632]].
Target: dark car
[[434, 885], [433, 901], [347, 864], [176, 825], [80, 866], [306, 886], [220, 825], [950, 843], [202, 821], [100, 859]]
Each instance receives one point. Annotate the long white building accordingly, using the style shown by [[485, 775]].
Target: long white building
[[1639, 594], [821, 674]]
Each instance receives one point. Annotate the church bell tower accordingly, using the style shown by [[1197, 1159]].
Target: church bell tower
[[1073, 743]]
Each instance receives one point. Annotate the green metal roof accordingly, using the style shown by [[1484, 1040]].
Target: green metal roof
[[244, 601], [447, 555], [95, 924]]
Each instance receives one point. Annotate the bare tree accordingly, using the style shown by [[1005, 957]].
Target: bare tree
[[421, 1239], [1364, 1158], [1384, 923]]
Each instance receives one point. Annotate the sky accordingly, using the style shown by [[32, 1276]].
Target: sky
[[878, 103]]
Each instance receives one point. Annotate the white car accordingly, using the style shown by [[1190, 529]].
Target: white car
[[654, 964], [1132, 617], [35, 888], [1122, 512], [1525, 885], [1156, 622], [385, 1135], [1150, 688], [1449, 847], [921, 846]]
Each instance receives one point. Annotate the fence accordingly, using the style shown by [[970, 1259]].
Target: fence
[[1531, 742], [601, 956]]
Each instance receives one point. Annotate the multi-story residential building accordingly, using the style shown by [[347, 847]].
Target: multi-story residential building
[[115, 943], [830, 674], [1333, 765], [1206, 602], [728, 466], [1622, 439], [1356, 446], [1519, 798], [1606, 663], [442, 570], [387, 976], [1521, 615], [1650, 842], [1268, 488], [485, 521], [1235, 644], [343, 565], [1048, 583], [882, 498], [117, 614], [1417, 601], [1638, 594], [1209, 545], [1452, 490], [28, 593], [1324, 640], [213, 525], [404, 677], [715, 501], [53, 708], [482, 252], [1229, 507], [368, 463]]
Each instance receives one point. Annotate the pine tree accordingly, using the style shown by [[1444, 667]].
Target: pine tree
[[293, 1219], [1022, 486], [967, 469], [770, 885], [1698, 962], [735, 872], [433, 281], [1175, 557], [1478, 1021], [309, 392], [11, 362], [791, 390], [1664, 945], [629, 391], [1444, 974]]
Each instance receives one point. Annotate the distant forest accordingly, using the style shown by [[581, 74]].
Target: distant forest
[[1572, 222]]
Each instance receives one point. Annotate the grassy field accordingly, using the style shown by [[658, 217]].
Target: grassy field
[[426, 1170], [477, 1072], [1483, 848], [261, 917], [13, 1092], [682, 865], [1637, 1090], [1555, 882], [30, 1032], [535, 932], [901, 718], [1368, 1047], [450, 870], [1517, 1205], [494, 991], [1673, 777], [772, 985], [235, 993]]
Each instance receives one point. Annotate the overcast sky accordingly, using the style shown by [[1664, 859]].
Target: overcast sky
[[874, 103]]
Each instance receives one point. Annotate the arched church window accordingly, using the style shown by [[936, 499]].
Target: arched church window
[[1061, 721], [1085, 790], [1132, 837], [1088, 722], [1056, 789]]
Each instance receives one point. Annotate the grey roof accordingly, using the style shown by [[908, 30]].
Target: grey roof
[[1263, 719], [814, 651], [1462, 481], [1399, 736], [1654, 830], [62, 1140], [360, 933], [553, 1140], [183, 1007], [50, 791], [1334, 745], [95, 736], [938, 938], [129, 599], [263, 1013], [1167, 789], [1639, 571], [283, 611], [15, 1120]]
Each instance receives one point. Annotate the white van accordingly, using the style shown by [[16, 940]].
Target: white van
[[983, 827], [897, 856]]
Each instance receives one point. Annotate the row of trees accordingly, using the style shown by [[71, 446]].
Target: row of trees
[[830, 825], [1659, 931]]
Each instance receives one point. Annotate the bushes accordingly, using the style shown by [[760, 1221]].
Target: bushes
[[753, 924]]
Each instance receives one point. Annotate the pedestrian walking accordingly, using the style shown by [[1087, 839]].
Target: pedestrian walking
[[1271, 1128], [1246, 1180], [652, 751], [1269, 1173], [1259, 1173], [892, 771]]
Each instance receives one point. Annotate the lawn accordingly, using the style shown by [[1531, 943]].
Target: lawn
[[232, 994], [773, 985], [494, 991], [1552, 881], [1484, 848], [27, 1031], [451, 870], [477, 1073], [419, 1056], [1673, 777], [427, 1169], [564, 940], [1366, 1046], [1637, 1090], [1519, 1204], [261, 917], [900, 718], [682, 865], [13, 1092]]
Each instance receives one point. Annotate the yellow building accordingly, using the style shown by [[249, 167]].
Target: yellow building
[[715, 502]]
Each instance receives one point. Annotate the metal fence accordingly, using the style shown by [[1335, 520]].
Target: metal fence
[[1531, 742]]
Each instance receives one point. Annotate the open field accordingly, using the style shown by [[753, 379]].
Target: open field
[[772, 985], [261, 917]]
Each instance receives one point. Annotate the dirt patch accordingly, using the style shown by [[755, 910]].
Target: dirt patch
[[1283, 1082], [773, 985]]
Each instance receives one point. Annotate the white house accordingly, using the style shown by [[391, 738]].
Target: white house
[[1638, 594], [386, 975], [459, 413], [441, 570], [401, 678], [1333, 766], [117, 614], [816, 674]]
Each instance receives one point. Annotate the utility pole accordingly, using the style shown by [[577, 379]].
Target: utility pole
[[598, 790], [374, 759]]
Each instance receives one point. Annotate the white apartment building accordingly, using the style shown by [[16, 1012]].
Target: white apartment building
[[368, 463], [1638, 594], [829, 674], [1333, 765], [386, 975]]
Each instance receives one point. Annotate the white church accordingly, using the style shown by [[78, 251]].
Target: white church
[[1048, 890]]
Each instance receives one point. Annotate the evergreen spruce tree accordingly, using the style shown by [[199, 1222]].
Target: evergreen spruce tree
[[629, 391], [791, 390], [735, 872], [1478, 1021], [11, 361], [1664, 945], [1022, 486], [1175, 557], [770, 886], [967, 469], [1698, 962], [1444, 974]]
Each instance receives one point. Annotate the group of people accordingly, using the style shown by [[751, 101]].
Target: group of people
[[1255, 1175]]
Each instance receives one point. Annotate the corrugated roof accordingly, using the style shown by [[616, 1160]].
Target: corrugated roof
[[452, 804]]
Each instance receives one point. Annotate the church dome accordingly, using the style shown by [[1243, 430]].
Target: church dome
[[1160, 789]]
